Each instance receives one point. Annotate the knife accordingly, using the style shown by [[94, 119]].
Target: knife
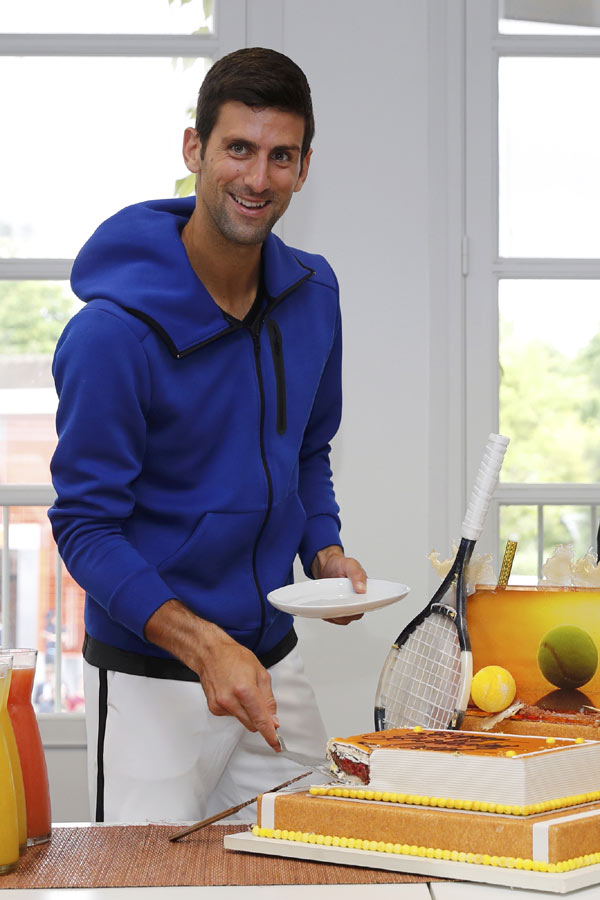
[[225, 813], [315, 763], [307, 762]]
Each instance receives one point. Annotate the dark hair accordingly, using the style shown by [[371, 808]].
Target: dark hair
[[260, 78]]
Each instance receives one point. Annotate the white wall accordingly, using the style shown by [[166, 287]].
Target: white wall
[[377, 205]]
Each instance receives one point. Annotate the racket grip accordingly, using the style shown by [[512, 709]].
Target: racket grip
[[484, 487]]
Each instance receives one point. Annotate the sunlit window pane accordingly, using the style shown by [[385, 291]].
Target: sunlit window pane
[[549, 143], [107, 17], [572, 525], [32, 316], [550, 380], [28, 616], [568, 525], [566, 17], [521, 523], [88, 136]]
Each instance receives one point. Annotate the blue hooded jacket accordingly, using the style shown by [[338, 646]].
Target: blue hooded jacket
[[193, 451]]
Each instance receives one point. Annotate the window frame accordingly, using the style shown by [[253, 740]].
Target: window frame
[[230, 33], [483, 267]]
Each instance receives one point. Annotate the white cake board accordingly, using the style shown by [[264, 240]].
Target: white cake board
[[555, 883]]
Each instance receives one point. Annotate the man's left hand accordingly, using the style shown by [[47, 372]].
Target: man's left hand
[[330, 562]]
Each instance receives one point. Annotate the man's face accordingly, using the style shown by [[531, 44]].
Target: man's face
[[248, 171]]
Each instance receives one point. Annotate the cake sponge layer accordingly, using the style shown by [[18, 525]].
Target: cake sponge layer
[[551, 837]]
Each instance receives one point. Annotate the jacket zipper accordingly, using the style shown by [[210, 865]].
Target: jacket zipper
[[255, 332], [277, 352]]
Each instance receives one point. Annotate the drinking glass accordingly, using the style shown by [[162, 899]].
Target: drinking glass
[[29, 742], [13, 753], [9, 822]]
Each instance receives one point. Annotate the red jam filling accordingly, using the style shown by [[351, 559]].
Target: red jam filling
[[351, 767]]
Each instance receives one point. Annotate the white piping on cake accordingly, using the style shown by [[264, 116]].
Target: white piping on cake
[[539, 832], [267, 810]]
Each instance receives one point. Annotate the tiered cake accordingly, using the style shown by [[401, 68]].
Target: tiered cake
[[514, 801]]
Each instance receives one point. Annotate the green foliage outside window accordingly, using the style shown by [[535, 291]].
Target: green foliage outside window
[[550, 406], [545, 397], [33, 315]]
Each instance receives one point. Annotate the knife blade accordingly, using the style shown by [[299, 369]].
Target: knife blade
[[225, 813], [315, 763]]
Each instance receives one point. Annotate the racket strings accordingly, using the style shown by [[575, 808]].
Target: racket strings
[[422, 683]]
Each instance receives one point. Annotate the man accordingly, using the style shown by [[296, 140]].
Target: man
[[199, 389]]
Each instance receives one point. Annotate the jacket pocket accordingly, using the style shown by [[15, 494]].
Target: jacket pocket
[[276, 342], [212, 572]]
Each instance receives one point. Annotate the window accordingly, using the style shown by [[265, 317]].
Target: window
[[97, 104], [532, 285]]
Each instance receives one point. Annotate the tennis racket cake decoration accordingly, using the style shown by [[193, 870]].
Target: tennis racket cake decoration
[[426, 678]]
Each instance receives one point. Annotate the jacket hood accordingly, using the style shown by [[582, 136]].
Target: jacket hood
[[137, 257]]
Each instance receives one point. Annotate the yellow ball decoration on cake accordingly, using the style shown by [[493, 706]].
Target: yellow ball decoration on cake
[[493, 689]]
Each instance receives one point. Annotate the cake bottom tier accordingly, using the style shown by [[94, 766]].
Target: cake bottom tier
[[552, 837]]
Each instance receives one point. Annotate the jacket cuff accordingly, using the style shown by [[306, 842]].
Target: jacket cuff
[[321, 531], [137, 598]]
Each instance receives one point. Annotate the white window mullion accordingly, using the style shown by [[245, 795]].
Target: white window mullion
[[27, 495], [27, 269], [547, 268], [185, 45], [446, 54], [548, 494], [58, 633], [481, 307], [5, 605], [545, 45], [540, 540]]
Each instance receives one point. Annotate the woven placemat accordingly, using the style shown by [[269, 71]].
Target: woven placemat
[[142, 856]]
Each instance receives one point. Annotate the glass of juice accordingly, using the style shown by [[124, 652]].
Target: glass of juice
[[9, 823], [29, 742], [13, 754]]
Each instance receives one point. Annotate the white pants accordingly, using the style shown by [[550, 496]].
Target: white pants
[[165, 757]]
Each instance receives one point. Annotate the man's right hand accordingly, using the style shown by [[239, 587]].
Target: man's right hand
[[234, 681]]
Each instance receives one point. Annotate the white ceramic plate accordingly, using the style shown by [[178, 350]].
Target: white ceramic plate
[[329, 598]]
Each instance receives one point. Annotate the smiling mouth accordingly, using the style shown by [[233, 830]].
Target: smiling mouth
[[250, 204]]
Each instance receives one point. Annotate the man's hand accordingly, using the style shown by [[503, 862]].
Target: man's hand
[[234, 681], [330, 562]]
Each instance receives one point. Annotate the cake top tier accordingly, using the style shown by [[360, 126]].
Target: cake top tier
[[468, 743]]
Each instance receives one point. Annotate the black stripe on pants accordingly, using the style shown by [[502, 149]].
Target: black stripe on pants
[[102, 713]]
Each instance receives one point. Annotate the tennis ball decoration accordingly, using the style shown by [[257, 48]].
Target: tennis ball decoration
[[567, 656], [493, 689]]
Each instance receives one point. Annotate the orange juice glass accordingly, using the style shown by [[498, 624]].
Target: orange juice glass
[[29, 742], [15, 762], [9, 821]]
